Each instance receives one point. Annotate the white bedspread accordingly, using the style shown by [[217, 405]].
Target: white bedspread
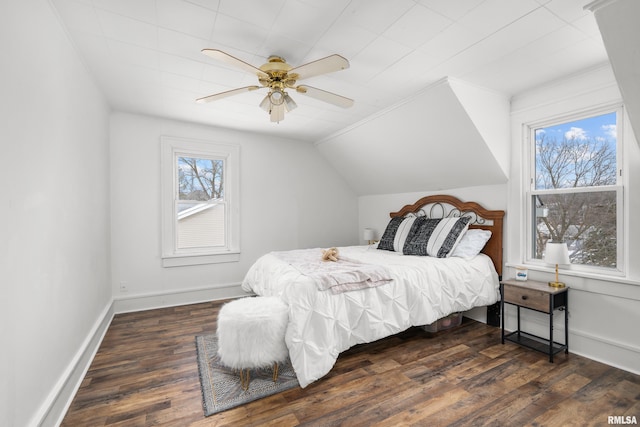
[[322, 324]]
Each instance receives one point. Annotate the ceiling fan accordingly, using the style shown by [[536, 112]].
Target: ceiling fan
[[278, 76]]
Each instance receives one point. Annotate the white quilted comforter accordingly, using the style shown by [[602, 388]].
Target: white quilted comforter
[[323, 324]]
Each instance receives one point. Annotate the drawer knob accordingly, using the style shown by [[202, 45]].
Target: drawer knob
[[524, 297]]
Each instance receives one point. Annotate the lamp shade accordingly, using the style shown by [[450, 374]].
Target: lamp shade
[[368, 234], [556, 253]]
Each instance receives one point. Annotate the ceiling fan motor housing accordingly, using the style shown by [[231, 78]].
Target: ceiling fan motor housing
[[278, 71]]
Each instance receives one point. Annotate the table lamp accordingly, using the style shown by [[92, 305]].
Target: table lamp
[[556, 253], [368, 235]]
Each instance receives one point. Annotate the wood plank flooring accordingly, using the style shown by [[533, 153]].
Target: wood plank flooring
[[145, 374]]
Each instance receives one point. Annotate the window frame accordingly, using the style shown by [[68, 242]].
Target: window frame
[[171, 149], [530, 190]]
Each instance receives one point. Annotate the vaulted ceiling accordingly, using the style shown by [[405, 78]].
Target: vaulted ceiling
[[146, 54], [449, 135]]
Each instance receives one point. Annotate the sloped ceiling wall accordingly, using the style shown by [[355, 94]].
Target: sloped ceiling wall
[[450, 135], [618, 23]]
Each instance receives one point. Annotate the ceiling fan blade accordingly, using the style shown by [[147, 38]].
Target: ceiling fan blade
[[321, 66], [325, 96], [221, 95], [232, 60]]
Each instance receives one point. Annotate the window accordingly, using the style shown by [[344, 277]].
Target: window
[[200, 215], [575, 190], [200, 203]]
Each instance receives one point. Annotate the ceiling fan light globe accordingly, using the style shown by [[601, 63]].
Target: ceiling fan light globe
[[276, 97], [277, 113], [265, 104], [289, 102]]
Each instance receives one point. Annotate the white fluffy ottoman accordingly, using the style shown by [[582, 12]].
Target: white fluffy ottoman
[[251, 335]]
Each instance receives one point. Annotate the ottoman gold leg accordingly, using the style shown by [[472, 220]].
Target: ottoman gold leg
[[245, 379], [275, 372]]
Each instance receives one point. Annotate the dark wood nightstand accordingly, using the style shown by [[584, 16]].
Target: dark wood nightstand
[[538, 296]]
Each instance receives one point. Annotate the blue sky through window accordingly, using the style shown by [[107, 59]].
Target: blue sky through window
[[578, 153], [599, 128]]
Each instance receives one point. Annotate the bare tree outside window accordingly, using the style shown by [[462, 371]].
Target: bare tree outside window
[[575, 199], [200, 179]]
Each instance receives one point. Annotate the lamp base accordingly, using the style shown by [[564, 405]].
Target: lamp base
[[556, 284]]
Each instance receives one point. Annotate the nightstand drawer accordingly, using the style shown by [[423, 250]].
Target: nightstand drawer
[[530, 298]]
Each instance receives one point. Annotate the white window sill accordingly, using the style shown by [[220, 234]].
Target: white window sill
[[604, 284], [199, 259], [613, 276]]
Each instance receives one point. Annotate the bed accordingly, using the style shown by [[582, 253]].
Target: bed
[[414, 290]]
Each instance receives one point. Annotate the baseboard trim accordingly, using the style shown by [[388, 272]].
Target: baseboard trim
[[591, 346], [176, 297], [55, 406], [623, 349]]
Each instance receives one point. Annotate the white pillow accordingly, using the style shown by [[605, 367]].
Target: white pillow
[[471, 243]]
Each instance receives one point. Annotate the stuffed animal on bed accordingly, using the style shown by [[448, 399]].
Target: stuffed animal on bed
[[330, 254]]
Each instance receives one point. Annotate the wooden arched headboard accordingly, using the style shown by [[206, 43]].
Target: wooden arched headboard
[[445, 206]]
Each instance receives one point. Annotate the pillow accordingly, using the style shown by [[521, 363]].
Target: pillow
[[386, 241], [446, 236], [416, 243], [471, 243], [396, 233]]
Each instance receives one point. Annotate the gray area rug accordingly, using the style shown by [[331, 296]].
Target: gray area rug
[[220, 385]]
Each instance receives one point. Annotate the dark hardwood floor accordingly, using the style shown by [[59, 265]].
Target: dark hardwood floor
[[145, 374]]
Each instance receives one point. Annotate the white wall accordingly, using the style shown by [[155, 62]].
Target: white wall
[[54, 220], [290, 198], [603, 310]]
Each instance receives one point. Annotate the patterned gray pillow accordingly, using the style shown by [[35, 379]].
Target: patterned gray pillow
[[386, 241], [446, 236], [416, 243]]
